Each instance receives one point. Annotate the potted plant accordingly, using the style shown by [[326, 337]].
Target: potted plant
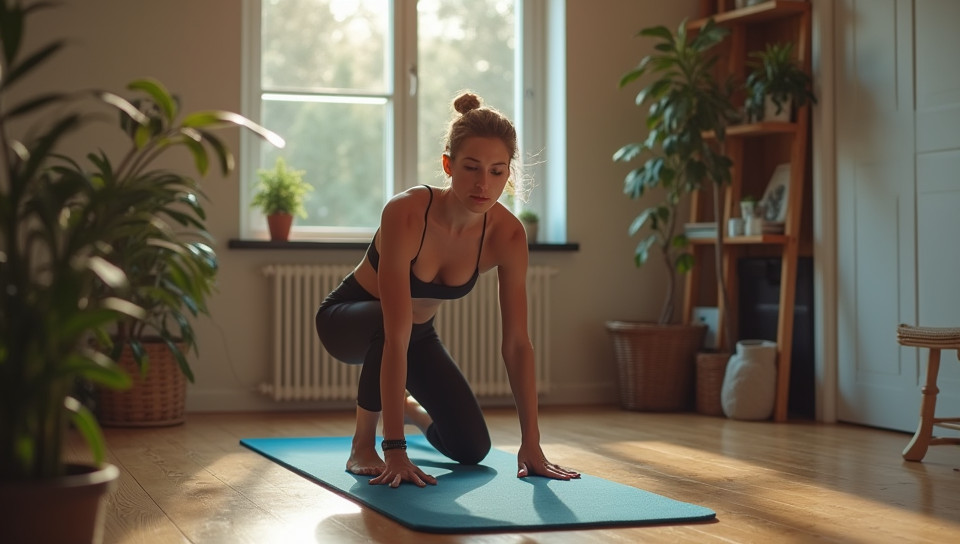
[[776, 83], [163, 248], [531, 224], [685, 103], [280, 195], [58, 289]]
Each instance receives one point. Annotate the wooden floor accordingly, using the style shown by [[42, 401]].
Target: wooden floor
[[793, 482]]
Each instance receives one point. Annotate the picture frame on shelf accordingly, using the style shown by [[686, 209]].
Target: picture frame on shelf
[[775, 198]]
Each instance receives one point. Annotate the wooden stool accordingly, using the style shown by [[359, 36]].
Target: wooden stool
[[934, 339]]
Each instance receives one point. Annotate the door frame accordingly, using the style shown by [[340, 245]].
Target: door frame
[[824, 202]]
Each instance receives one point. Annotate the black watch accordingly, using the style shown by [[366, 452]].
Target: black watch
[[393, 445]]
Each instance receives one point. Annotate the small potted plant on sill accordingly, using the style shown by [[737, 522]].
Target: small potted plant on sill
[[280, 196], [531, 224], [776, 84]]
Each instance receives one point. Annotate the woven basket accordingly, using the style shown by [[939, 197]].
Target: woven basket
[[711, 368], [155, 400], [655, 364]]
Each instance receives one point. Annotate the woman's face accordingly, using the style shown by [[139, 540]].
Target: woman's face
[[479, 172]]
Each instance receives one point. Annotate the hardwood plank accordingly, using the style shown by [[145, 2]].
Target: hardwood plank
[[793, 482]]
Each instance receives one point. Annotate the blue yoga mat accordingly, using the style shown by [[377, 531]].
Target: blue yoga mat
[[484, 497]]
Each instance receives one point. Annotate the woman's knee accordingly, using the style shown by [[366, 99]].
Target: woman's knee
[[464, 447], [474, 452]]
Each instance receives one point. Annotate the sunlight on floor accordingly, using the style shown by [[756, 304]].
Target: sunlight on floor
[[786, 479]]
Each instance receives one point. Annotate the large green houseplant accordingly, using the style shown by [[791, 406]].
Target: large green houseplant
[[163, 249], [60, 227], [688, 111]]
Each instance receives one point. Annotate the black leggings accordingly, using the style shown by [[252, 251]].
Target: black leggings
[[350, 326]]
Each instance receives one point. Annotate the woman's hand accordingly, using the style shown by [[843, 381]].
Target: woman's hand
[[530, 460], [399, 469]]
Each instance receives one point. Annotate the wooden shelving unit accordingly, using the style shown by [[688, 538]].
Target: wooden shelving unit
[[756, 149]]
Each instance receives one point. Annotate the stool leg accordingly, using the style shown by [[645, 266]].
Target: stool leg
[[918, 445]]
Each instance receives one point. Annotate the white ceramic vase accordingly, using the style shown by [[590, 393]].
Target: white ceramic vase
[[750, 381]]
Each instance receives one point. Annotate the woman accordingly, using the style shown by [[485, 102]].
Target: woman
[[432, 245]]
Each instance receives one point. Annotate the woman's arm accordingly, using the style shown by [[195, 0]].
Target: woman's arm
[[400, 227], [517, 353]]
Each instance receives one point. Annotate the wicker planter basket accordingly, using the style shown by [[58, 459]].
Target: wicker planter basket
[[155, 400], [656, 364], [710, 370]]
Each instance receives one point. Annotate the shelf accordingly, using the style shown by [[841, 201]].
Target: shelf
[[764, 128], [762, 239], [755, 148], [767, 11]]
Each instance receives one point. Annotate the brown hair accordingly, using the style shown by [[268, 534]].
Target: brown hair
[[472, 119]]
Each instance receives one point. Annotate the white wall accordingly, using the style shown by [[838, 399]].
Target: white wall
[[195, 49]]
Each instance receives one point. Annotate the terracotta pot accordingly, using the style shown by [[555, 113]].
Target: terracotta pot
[[280, 224], [64, 510]]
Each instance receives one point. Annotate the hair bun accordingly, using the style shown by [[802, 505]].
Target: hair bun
[[466, 102]]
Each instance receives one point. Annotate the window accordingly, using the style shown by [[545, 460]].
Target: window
[[361, 90]]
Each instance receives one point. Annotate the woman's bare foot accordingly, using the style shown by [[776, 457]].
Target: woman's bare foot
[[365, 461], [414, 414]]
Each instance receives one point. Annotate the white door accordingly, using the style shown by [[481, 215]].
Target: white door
[[938, 183], [898, 202]]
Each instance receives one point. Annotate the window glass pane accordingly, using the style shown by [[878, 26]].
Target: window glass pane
[[324, 44], [462, 45], [341, 146]]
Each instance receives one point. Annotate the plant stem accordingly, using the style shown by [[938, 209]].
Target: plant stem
[[718, 262]]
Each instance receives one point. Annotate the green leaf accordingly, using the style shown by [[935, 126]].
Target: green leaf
[[641, 220], [633, 183], [215, 118], [123, 105], [81, 322], [160, 95], [660, 31], [684, 263], [627, 152], [642, 253], [142, 135], [635, 74], [15, 72], [224, 156], [200, 159], [96, 367], [32, 104], [108, 273], [181, 360], [88, 427], [124, 307], [655, 91]]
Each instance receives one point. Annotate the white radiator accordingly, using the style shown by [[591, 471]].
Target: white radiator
[[469, 328]]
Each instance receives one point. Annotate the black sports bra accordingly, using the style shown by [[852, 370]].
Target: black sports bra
[[420, 288]]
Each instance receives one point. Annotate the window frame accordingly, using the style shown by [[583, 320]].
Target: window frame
[[541, 59]]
